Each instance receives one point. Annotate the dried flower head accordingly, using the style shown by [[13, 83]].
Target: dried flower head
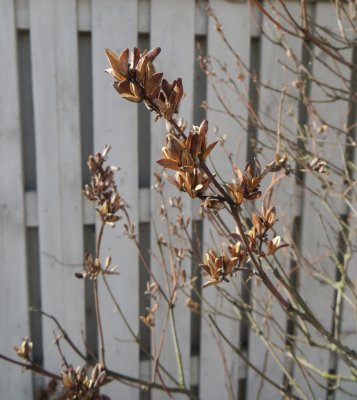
[[193, 306], [136, 80], [101, 190], [176, 154], [218, 267], [247, 185], [25, 349], [275, 244], [149, 318], [197, 143], [237, 251], [93, 267], [78, 386], [262, 223], [183, 154], [168, 102]]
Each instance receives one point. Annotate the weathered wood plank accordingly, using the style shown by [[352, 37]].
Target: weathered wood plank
[[348, 321], [14, 320], [114, 26], [266, 351], [172, 28], [56, 106], [219, 365], [320, 242]]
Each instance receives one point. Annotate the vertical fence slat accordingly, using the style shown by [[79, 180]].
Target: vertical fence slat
[[172, 28], [114, 26], [348, 323], [56, 105], [14, 319], [320, 242], [218, 363], [265, 348]]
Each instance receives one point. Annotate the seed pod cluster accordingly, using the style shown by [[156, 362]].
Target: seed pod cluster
[[101, 190], [136, 80]]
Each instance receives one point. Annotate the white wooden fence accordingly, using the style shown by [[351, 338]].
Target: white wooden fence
[[56, 106]]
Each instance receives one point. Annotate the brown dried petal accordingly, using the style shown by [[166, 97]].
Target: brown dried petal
[[174, 147], [153, 53], [124, 89], [186, 160], [141, 68], [208, 150], [160, 105], [256, 220], [253, 196], [203, 129], [166, 163], [150, 70], [177, 93], [195, 144], [270, 216], [153, 85], [136, 90], [119, 64], [135, 57], [206, 268], [213, 203], [166, 88]]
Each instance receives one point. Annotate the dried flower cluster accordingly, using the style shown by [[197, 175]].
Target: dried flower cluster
[[136, 80], [258, 234], [78, 386], [93, 267], [193, 305], [25, 349], [247, 183], [219, 267], [102, 191]]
